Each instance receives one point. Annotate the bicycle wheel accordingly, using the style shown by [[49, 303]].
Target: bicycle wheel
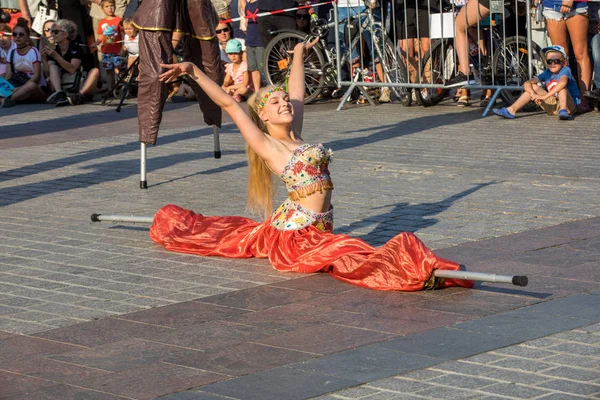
[[395, 72], [278, 62], [437, 67], [511, 66]]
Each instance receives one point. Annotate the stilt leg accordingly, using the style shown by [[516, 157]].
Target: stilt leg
[[143, 181], [217, 142]]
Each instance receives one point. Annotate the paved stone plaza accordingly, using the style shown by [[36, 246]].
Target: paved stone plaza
[[97, 311]]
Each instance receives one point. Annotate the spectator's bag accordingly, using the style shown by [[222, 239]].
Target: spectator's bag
[[6, 88], [70, 82], [18, 78], [45, 12]]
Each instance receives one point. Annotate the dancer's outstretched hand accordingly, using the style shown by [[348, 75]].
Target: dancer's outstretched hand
[[173, 71], [306, 46]]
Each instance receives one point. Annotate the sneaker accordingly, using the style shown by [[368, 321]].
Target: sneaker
[[425, 94], [460, 80], [385, 96], [583, 108], [56, 97], [76, 99], [8, 102], [503, 112], [564, 115], [592, 94]]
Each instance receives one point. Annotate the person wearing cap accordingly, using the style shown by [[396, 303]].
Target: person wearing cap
[[561, 94], [237, 79]]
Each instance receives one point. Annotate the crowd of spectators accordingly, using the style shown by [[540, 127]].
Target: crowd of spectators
[[90, 44]]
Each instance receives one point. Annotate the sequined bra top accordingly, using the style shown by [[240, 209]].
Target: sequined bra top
[[307, 171]]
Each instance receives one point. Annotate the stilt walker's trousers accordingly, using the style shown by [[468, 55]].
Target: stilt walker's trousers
[[197, 20]]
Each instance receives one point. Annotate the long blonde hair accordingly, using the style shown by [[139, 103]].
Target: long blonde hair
[[260, 177]]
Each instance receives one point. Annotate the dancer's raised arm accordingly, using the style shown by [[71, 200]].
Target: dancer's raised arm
[[256, 139], [296, 84]]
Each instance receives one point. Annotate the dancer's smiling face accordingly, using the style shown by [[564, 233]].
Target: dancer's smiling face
[[278, 109]]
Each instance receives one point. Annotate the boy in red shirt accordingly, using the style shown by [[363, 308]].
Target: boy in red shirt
[[111, 38]]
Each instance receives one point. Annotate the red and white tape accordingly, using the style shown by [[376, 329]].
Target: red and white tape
[[257, 14]]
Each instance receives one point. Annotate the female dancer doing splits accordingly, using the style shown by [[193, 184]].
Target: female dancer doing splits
[[298, 235]]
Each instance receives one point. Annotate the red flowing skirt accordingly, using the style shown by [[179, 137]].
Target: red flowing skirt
[[403, 263]]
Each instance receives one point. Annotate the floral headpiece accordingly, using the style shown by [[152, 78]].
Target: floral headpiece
[[263, 101]]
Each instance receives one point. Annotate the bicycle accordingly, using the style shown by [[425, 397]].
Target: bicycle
[[505, 63], [320, 61]]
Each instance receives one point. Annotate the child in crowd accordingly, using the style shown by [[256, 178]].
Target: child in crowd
[[236, 72], [110, 37], [6, 45], [131, 46], [561, 95], [255, 49]]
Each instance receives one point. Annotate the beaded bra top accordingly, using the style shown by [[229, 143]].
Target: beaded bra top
[[307, 172]]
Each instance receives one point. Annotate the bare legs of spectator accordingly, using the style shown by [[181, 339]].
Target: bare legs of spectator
[[576, 28], [90, 85], [412, 50], [28, 92], [255, 76], [55, 79], [468, 16]]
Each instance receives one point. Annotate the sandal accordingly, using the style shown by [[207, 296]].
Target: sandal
[[463, 101]]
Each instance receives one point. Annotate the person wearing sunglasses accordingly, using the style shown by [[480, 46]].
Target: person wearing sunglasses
[[303, 20], [560, 94], [24, 69], [71, 85], [6, 45], [224, 31]]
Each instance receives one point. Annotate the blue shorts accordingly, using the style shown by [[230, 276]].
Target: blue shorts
[[556, 15], [111, 61]]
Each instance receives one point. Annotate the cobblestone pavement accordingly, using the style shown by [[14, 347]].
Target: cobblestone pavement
[[561, 366], [449, 175]]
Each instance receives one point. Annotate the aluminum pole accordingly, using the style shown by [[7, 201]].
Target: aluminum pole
[[121, 218], [481, 276], [143, 181]]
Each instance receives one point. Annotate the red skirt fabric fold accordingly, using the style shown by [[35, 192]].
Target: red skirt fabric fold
[[403, 263]]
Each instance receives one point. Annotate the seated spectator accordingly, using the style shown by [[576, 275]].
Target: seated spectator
[[24, 69], [47, 28], [184, 93], [131, 45], [561, 95], [224, 33], [568, 21], [237, 80], [6, 45], [64, 67], [594, 13]]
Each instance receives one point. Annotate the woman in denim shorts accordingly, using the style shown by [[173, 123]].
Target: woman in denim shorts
[[569, 20]]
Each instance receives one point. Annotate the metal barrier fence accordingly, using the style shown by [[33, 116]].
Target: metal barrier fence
[[432, 46]]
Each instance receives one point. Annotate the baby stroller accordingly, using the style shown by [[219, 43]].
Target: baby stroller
[[127, 83]]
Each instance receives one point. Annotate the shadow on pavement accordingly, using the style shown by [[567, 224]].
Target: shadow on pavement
[[415, 216], [97, 154], [407, 127], [102, 172]]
